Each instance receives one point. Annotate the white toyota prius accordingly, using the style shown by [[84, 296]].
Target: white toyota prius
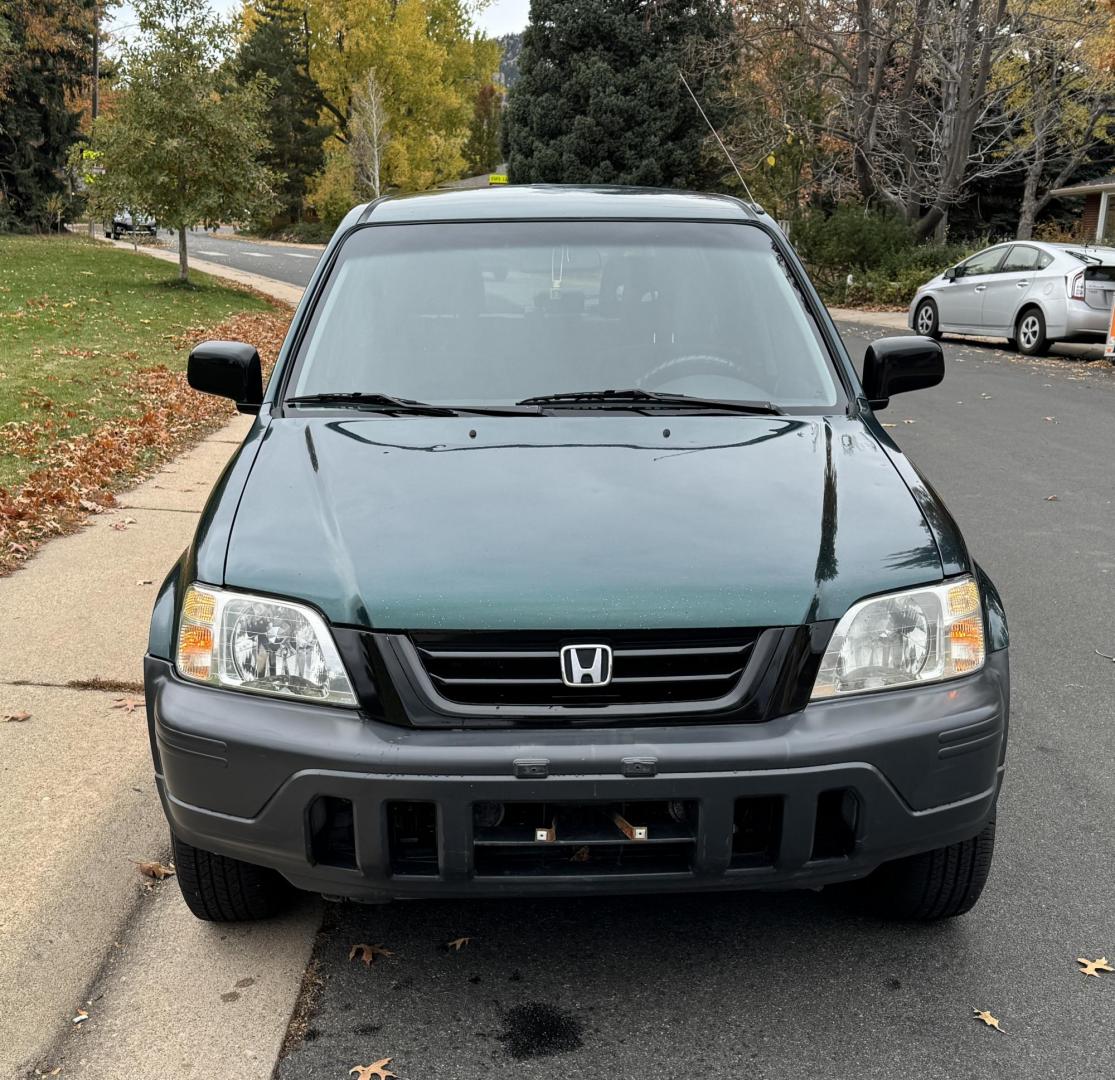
[[1033, 294]]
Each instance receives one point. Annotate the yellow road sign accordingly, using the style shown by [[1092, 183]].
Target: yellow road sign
[[495, 179]]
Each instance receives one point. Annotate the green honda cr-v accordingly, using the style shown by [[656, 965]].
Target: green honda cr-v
[[566, 554]]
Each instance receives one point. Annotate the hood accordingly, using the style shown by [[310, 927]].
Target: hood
[[576, 522]]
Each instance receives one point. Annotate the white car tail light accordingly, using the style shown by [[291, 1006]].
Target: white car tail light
[[1075, 285]]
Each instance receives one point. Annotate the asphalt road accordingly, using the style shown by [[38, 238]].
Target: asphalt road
[[292, 263], [795, 985]]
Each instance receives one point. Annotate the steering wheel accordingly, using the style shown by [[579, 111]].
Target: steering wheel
[[695, 364]]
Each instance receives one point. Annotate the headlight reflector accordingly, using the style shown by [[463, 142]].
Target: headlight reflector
[[917, 636], [261, 645]]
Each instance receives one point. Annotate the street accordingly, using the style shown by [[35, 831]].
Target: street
[[792, 985], [292, 263]]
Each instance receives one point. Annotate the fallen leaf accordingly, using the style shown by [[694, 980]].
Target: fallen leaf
[[890, 425], [376, 1071], [458, 943], [988, 1019], [582, 854], [368, 953], [1094, 967], [1052, 498], [909, 421], [155, 870], [128, 704], [81, 1017], [144, 581], [16, 717], [1050, 419]]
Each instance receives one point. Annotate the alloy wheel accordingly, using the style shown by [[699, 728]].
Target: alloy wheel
[[1029, 330], [925, 319]]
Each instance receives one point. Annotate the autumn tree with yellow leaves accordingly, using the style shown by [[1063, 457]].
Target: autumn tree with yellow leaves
[[426, 62]]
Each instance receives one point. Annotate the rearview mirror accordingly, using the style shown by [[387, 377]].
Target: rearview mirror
[[229, 369], [952, 273], [899, 364]]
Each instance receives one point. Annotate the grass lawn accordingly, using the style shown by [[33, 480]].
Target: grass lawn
[[78, 321]]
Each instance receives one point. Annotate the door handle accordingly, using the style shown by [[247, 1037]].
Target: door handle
[[980, 288], [1022, 284]]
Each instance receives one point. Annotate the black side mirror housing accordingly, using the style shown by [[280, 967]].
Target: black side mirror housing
[[228, 369], [897, 365], [951, 274]]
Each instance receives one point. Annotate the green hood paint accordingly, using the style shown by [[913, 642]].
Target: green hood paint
[[577, 522]]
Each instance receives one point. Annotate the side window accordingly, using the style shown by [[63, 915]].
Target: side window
[[1044, 259], [1021, 257], [986, 262]]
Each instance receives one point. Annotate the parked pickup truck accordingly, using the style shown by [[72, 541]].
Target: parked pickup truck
[[566, 554]]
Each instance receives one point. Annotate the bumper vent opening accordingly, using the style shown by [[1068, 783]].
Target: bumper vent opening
[[647, 668], [584, 840], [834, 833], [412, 837], [757, 831], [332, 835]]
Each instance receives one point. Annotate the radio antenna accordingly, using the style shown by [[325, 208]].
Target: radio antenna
[[731, 160]]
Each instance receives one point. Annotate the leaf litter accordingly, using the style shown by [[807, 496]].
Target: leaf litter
[[988, 1019], [376, 1071], [368, 953], [155, 870], [79, 473], [1094, 967]]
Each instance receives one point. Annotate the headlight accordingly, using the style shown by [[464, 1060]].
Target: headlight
[[918, 636], [261, 645]]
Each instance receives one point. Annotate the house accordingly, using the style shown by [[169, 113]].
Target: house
[[1099, 198]]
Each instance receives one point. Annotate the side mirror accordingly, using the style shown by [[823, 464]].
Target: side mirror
[[951, 274], [899, 364], [229, 369]]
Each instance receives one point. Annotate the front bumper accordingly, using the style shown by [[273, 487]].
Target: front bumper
[[241, 775]]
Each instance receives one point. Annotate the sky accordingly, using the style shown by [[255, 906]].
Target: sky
[[500, 17]]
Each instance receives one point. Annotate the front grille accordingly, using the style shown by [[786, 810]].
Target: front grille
[[648, 667]]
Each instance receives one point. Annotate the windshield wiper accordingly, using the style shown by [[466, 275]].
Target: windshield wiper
[[638, 398], [358, 399]]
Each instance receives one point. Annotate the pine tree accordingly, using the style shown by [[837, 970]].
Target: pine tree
[[277, 46], [45, 53], [599, 97]]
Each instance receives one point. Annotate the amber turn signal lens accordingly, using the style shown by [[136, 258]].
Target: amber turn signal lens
[[966, 639], [963, 599], [199, 606]]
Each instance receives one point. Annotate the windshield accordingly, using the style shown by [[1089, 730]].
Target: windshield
[[496, 312]]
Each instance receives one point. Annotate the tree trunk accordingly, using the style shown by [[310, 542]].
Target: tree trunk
[[183, 263], [1029, 210]]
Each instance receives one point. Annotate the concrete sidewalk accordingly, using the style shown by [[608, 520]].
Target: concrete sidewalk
[[79, 927], [892, 320]]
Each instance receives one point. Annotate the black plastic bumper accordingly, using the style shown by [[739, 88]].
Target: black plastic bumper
[[238, 775]]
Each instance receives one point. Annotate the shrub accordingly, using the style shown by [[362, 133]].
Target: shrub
[[859, 256]]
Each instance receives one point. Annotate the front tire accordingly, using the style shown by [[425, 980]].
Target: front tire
[[938, 884], [926, 321], [1029, 333], [219, 889]]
